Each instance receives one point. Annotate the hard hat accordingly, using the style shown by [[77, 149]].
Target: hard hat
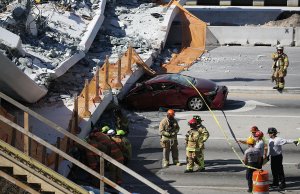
[[259, 134], [105, 129], [272, 130], [193, 121], [254, 129], [198, 118], [171, 112], [250, 141], [111, 132], [120, 132], [279, 47]]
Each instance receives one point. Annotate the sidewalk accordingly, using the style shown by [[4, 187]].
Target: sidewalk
[[262, 90]]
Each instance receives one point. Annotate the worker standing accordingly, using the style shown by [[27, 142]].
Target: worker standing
[[168, 129], [260, 145], [275, 152], [124, 145], [101, 141], [204, 135], [116, 153], [280, 65], [252, 159], [192, 140]]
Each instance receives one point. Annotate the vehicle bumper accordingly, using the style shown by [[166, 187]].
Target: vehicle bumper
[[220, 99]]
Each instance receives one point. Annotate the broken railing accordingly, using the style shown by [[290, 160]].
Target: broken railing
[[100, 175]]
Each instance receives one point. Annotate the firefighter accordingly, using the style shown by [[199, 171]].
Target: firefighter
[[275, 152], [192, 140], [168, 129], [121, 121], [128, 153], [100, 141], [116, 153], [251, 158], [123, 147], [280, 65], [204, 135]]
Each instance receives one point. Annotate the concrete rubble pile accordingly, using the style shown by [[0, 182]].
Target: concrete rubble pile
[[126, 22], [47, 39]]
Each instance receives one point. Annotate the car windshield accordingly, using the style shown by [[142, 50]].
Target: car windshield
[[182, 80]]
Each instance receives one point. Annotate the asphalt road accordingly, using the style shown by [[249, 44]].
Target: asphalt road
[[238, 67]]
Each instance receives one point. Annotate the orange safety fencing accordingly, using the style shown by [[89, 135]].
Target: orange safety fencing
[[193, 42], [111, 79]]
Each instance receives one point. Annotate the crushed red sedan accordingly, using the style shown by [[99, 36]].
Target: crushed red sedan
[[174, 91]]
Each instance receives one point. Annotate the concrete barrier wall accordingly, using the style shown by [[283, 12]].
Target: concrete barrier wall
[[245, 36], [252, 35]]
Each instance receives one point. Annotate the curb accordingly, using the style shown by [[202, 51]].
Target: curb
[[262, 90]]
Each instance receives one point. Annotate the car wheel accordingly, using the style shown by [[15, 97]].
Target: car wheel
[[196, 103]]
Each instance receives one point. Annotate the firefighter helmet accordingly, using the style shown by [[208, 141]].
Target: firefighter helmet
[[259, 134], [105, 129], [120, 132], [254, 129], [279, 47], [111, 132], [193, 121], [171, 112]]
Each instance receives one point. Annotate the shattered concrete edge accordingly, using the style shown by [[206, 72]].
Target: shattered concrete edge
[[166, 26], [14, 82], [85, 43], [93, 28]]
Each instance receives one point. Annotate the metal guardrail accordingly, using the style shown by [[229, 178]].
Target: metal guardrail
[[102, 155], [40, 168]]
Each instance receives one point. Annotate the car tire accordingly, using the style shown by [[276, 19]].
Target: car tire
[[196, 104]]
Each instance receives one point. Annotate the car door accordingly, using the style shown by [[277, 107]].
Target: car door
[[141, 97], [167, 94]]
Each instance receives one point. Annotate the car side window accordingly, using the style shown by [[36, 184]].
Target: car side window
[[163, 86]]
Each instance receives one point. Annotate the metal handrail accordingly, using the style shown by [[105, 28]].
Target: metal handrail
[[80, 142]]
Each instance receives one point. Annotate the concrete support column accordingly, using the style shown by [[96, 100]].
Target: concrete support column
[[225, 2], [292, 3], [258, 2]]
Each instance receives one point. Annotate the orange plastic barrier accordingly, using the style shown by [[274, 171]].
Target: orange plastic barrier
[[260, 182], [193, 42]]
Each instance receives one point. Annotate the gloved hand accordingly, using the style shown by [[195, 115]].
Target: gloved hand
[[167, 134], [296, 142], [173, 134]]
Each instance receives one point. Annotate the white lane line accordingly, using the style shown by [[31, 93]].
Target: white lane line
[[221, 161], [233, 115]]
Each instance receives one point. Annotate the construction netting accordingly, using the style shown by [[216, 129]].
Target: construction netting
[[193, 42]]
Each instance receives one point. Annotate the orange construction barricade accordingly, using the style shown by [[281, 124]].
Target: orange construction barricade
[[260, 182]]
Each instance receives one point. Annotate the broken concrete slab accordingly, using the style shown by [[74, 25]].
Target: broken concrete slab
[[11, 40], [15, 83]]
